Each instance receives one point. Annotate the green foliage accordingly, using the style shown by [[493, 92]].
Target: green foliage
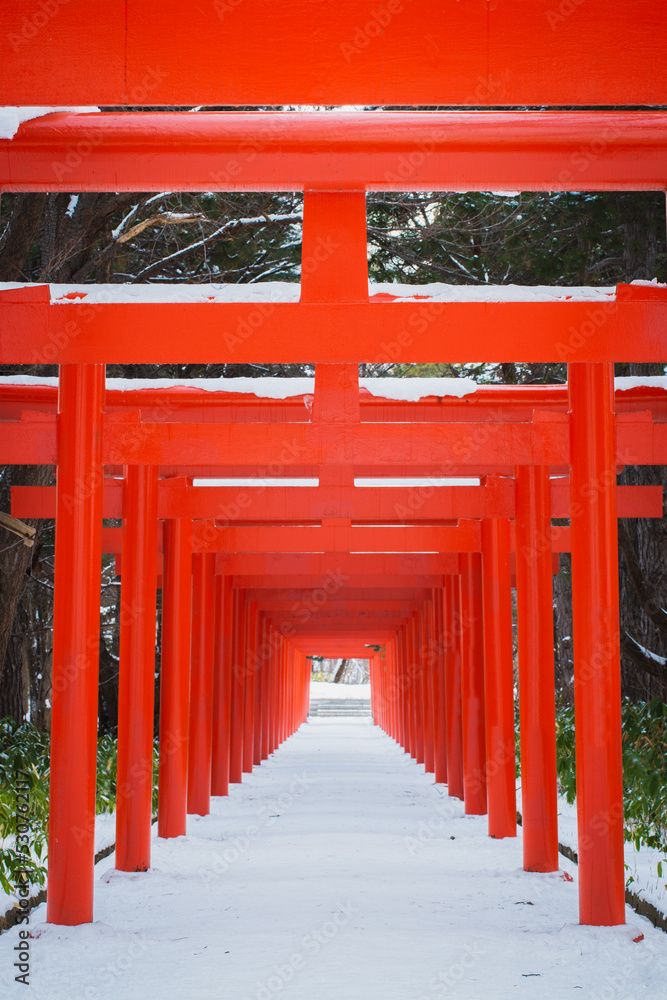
[[24, 761], [644, 768], [24, 764], [107, 759], [565, 755]]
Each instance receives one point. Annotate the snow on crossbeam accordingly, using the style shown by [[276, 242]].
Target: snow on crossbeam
[[629, 326]]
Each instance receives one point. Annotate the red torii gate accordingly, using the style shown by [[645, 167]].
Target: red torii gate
[[181, 501], [559, 151]]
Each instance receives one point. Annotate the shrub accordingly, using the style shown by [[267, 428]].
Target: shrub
[[24, 758]]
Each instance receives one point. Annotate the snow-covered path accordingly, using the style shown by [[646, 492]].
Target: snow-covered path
[[337, 871]]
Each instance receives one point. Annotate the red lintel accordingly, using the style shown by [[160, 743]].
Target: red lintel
[[395, 151], [426, 52]]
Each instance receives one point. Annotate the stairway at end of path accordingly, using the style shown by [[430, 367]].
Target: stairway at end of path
[[340, 707]]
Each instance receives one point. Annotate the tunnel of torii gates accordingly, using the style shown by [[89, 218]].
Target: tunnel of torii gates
[[256, 580]]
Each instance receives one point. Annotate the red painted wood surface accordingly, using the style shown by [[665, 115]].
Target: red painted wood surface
[[426, 52], [33, 331]]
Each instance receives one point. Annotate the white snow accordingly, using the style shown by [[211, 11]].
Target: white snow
[[660, 660], [337, 871], [418, 481], [442, 292], [623, 383], [264, 483], [327, 690], [269, 387], [289, 291], [11, 118], [71, 207]]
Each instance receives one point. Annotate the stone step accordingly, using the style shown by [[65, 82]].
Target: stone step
[[340, 707]]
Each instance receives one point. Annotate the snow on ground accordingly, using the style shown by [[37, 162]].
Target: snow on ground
[[328, 690], [337, 871]]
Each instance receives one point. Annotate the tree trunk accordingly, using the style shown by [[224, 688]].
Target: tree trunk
[[340, 673], [643, 568], [564, 659], [15, 562]]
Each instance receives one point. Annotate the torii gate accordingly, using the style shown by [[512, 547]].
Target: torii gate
[[335, 159], [431, 741]]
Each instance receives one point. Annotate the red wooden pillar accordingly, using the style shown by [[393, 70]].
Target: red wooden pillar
[[222, 684], [402, 689], [284, 731], [427, 660], [399, 689], [417, 669], [534, 599], [267, 666], [384, 669], [406, 688], [175, 677], [395, 691], [136, 682], [472, 684], [439, 694], [238, 689], [452, 625], [250, 670], [388, 701], [499, 677], [279, 691], [410, 688], [298, 692], [597, 676], [273, 688], [291, 691], [334, 256], [275, 667], [289, 698], [76, 630], [201, 684], [376, 714], [260, 675], [301, 702]]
